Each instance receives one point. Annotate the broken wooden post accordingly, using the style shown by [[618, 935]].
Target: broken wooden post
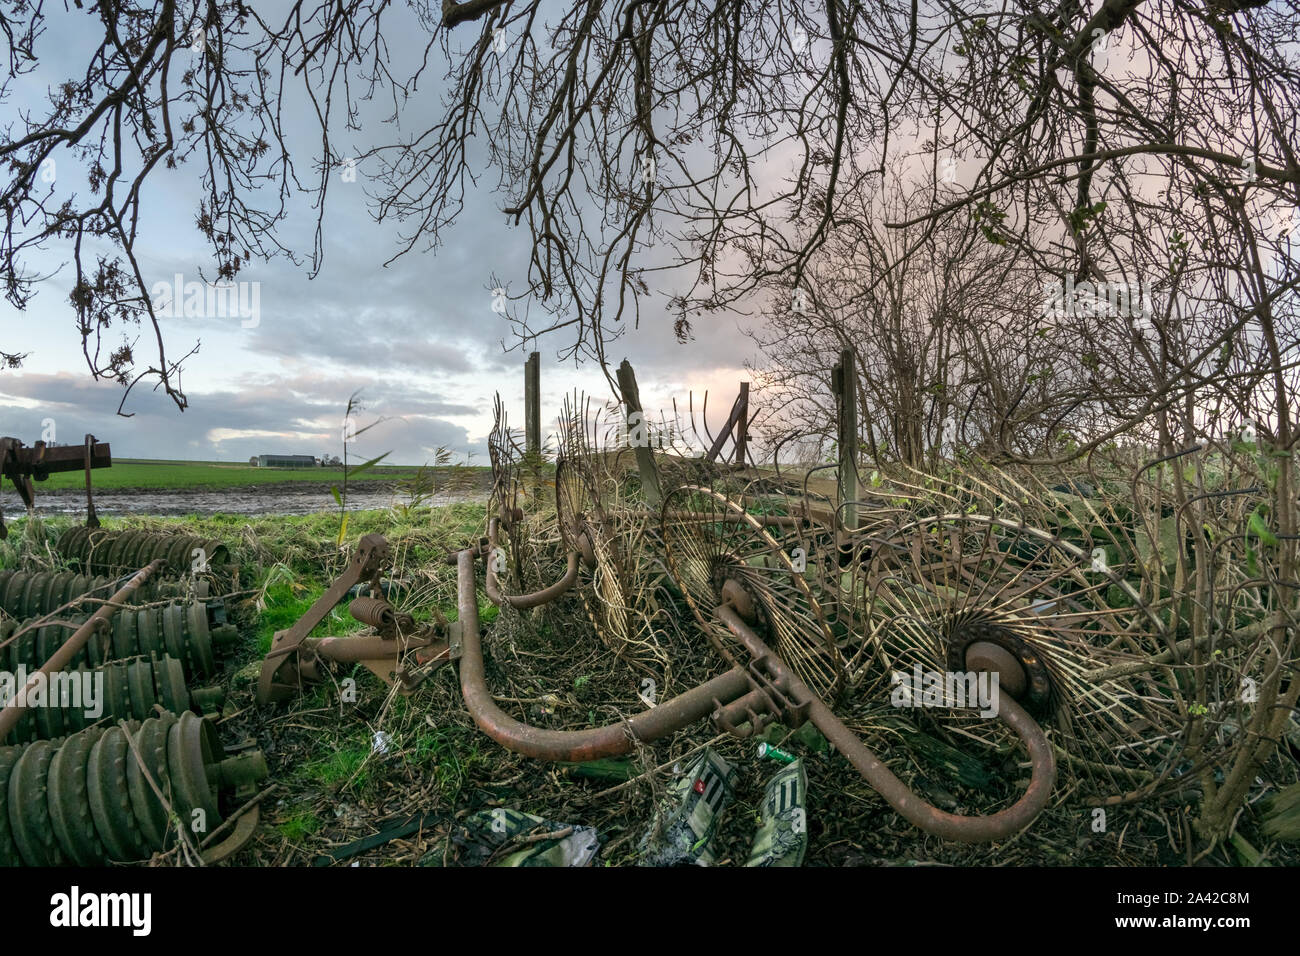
[[736, 427], [533, 404], [638, 431], [844, 385], [742, 423]]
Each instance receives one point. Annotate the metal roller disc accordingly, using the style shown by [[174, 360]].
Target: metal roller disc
[[155, 547], [70, 543], [100, 548], [30, 582], [40, 593], [140, 688], [29, 814], [95, 549], [7, 650], [173, 626], [200, 639], [81, 547], [24, 648], [169, 676], [187, 563], [9, 855], [61, 590], [25, 730], [117, 690], [99, 649], [177, 554], [48, 640], [64, 543], [71, 590], [68, 804], [192, 745], [218, 553], [13, 590], [49, 719], [116, 556], [80, 586], [110, 804], [131, 553], [151, 741], [74, 713], [125, 642], [147, 623], [137, 555], [16, 593], [127, 547], [110, 554]]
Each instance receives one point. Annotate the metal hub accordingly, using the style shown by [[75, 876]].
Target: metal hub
[[734, 593], [987, 656], [979, 642]]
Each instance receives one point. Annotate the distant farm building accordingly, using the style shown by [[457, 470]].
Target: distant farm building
[[286, 461]]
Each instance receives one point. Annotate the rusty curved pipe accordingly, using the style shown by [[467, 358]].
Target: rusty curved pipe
[[524, 601], [950, 826], [571, 745]]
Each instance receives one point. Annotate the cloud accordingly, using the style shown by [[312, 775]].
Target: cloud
[[258, 417]]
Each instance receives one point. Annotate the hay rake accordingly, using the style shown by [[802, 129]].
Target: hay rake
[[737, 579], [815, 604]]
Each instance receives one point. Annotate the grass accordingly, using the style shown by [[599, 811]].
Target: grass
[[286, 600], [132, 473], [341, 765], [300, 825]]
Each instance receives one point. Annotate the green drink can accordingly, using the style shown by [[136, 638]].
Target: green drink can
[[775, 753]]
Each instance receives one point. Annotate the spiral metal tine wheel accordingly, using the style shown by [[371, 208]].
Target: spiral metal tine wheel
[[957, 593], [720, 554], [503, 455], [612, 541]]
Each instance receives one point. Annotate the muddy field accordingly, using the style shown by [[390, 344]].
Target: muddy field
[[284, 498]]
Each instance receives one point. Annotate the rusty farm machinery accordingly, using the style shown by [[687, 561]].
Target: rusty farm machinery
[[812, 600], [108, 752]]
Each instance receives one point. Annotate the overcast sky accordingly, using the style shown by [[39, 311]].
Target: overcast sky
[[418, 338]]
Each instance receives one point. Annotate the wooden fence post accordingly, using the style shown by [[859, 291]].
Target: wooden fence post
[[634, 417], [844, 383], [533, 403]]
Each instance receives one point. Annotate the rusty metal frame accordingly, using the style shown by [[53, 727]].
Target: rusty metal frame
[[950, 826], [570, 745], [295, 658], [741, 701], [21, 465], [524, 601], [279, 677]]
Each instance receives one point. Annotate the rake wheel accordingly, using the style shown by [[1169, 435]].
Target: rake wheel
[[610, 538], [718, 554], [956, 593]]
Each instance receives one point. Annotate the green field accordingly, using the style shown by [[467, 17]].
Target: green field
[[145, 473]]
